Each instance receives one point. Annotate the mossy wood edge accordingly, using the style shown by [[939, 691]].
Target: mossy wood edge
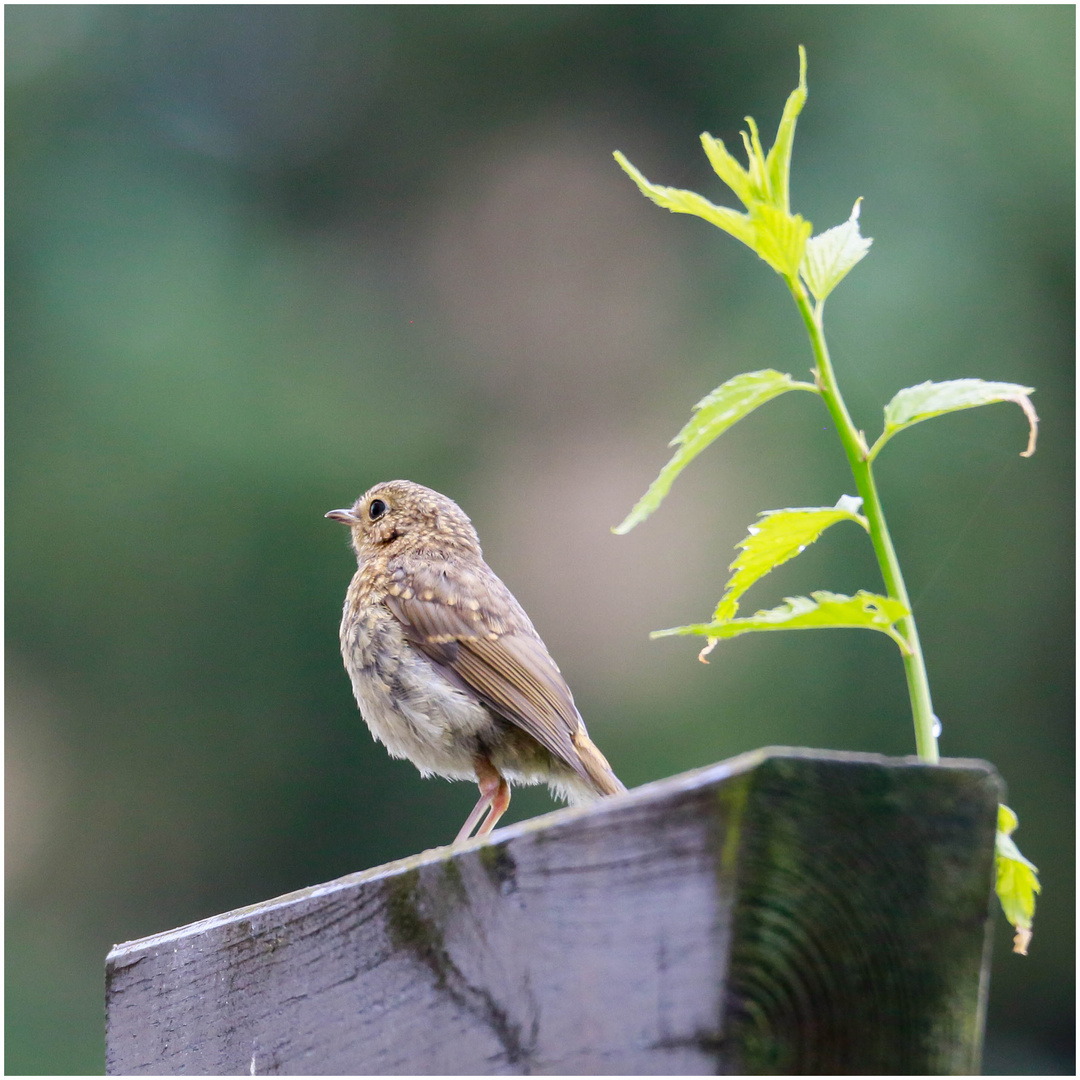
[[787, 911]]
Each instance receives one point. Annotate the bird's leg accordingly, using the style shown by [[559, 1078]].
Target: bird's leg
[[494, 793], [499, 802]]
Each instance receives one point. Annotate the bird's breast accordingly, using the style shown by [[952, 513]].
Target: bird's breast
[[408, 704]]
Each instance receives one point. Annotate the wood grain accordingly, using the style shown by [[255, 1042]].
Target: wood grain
[[783, 912]]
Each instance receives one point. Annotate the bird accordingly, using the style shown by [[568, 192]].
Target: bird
[[446, 667]]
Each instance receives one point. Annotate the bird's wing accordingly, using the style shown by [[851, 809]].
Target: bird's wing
[[467, 622]]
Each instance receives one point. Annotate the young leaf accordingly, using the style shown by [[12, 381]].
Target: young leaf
[[680, 201], [780, 238], [768, 228], [816, 611], [778, 163], [727, 167], [917, 403], [713, 415], [830, 255], [1017, 880], [781, 535]]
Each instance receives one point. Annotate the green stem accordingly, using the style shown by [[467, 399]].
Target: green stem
[[922, 709]]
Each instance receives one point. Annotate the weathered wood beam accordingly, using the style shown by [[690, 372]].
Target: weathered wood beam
[[788, 911]]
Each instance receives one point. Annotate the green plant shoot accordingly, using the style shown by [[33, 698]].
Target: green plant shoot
[[1017, 881], [811, 267]]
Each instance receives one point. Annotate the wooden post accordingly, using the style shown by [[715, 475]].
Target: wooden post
[[788, 911]]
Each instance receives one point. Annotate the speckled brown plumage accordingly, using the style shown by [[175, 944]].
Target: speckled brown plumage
[[446, 667]]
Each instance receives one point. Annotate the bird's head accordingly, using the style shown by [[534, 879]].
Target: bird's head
[[398, 517]]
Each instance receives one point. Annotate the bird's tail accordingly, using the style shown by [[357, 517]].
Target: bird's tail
[[601, 777]]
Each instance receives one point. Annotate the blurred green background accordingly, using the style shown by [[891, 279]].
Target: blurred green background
[[259, 258]]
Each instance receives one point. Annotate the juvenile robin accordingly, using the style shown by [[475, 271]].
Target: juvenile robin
[[445, 664]]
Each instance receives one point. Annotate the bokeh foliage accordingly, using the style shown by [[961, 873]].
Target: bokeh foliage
[[260, 257]]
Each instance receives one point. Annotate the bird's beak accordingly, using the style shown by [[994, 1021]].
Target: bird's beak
[[347, 517]]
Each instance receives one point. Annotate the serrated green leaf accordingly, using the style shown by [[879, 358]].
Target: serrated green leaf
[[768, 228], [1017, 880], [680, 201], [727, 167], [819, 610], [914, 404], [831, 254], [778, 163], [755, 160], [778, 537], [779, 237], [713, 415]]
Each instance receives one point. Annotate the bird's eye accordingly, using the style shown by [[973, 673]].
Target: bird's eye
[[376, 509]]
